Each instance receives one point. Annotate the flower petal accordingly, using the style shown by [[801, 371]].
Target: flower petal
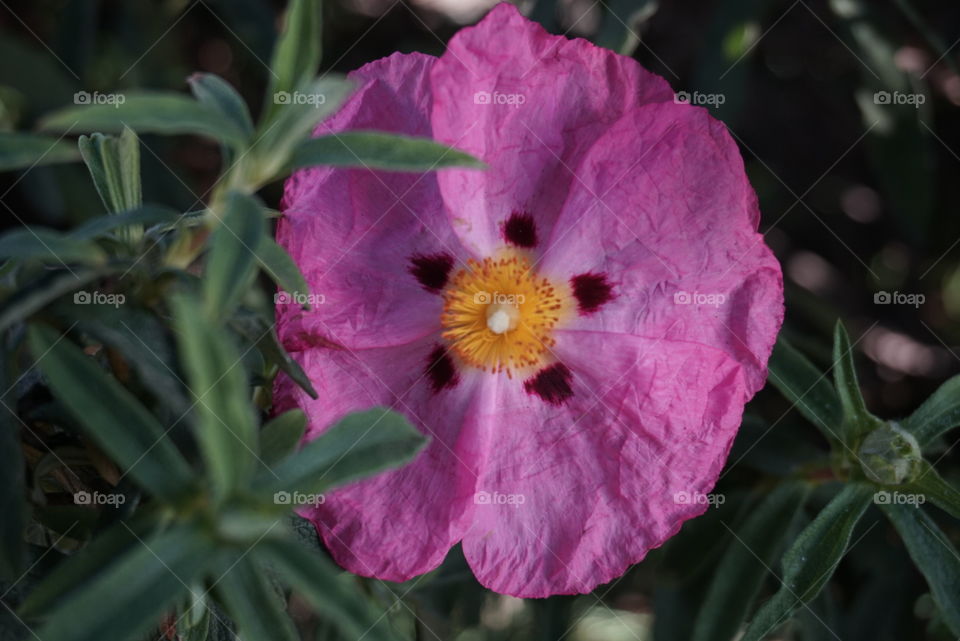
[[355, 233], [603, 478], [400, 523], [661, 205], [556, 97]]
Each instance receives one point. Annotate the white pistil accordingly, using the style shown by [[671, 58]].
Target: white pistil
[[502, 317]]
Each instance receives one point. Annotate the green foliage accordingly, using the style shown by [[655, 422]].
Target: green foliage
[[161, 377]]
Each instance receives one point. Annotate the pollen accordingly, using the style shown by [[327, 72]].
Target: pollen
[[499, 314]]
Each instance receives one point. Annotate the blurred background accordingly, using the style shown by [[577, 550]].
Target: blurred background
[[848, 118]]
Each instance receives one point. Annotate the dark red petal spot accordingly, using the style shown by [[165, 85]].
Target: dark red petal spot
[[520, 230], [432, 271], [441, 370], [552, 384], [591, 291]]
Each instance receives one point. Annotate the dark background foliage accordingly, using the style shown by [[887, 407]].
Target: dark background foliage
[[857, 201]]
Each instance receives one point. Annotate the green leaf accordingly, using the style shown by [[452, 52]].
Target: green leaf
[[376, 150], [856, 419], [72, 575], [253, 603], [114, 165], [254, 328], [281, 269], [22, 151], [148, 112], [360, 445], [144, 216], [225, 426], [33, 296], [931, 485], [812, 559], [292, 122], [110, 415], [212, 90], [231, 263], [144, 341], [331, 593], [806, 387], [740, 574], [279, 437], [49, 246], [938, 414], [934, 556], [128, 598], [297, 54]]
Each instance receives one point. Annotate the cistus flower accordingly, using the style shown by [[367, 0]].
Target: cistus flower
[[577, 327]]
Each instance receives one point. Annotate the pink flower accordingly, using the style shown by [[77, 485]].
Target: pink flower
[[577, 327]]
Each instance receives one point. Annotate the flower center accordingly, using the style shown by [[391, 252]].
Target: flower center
[[498, 314]]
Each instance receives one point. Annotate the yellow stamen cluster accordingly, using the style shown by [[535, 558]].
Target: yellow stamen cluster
[[498, 314]]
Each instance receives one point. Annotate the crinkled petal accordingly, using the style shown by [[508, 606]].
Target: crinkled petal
[[353, 232], [400, 523], [571, 92], [662, 206], [607, 476]]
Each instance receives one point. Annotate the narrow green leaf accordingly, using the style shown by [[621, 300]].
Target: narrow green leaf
[[806, 387], [22, 151], [276, 262], [254, 328], [110, 415], [360, 445], [934, 487], [297, 54], [376, 150], [225, 426], [812, 559], [935, 557], [279, 437], [741, 571], [114, 165], [210, 89], [142, 338], [938, 414], [77, 571], [329, 591], [128, 598], [144, 216], [231, 263], [296, 114], [856, 419], [35, 295], [49, 246], [253, 603], [148, 112]]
